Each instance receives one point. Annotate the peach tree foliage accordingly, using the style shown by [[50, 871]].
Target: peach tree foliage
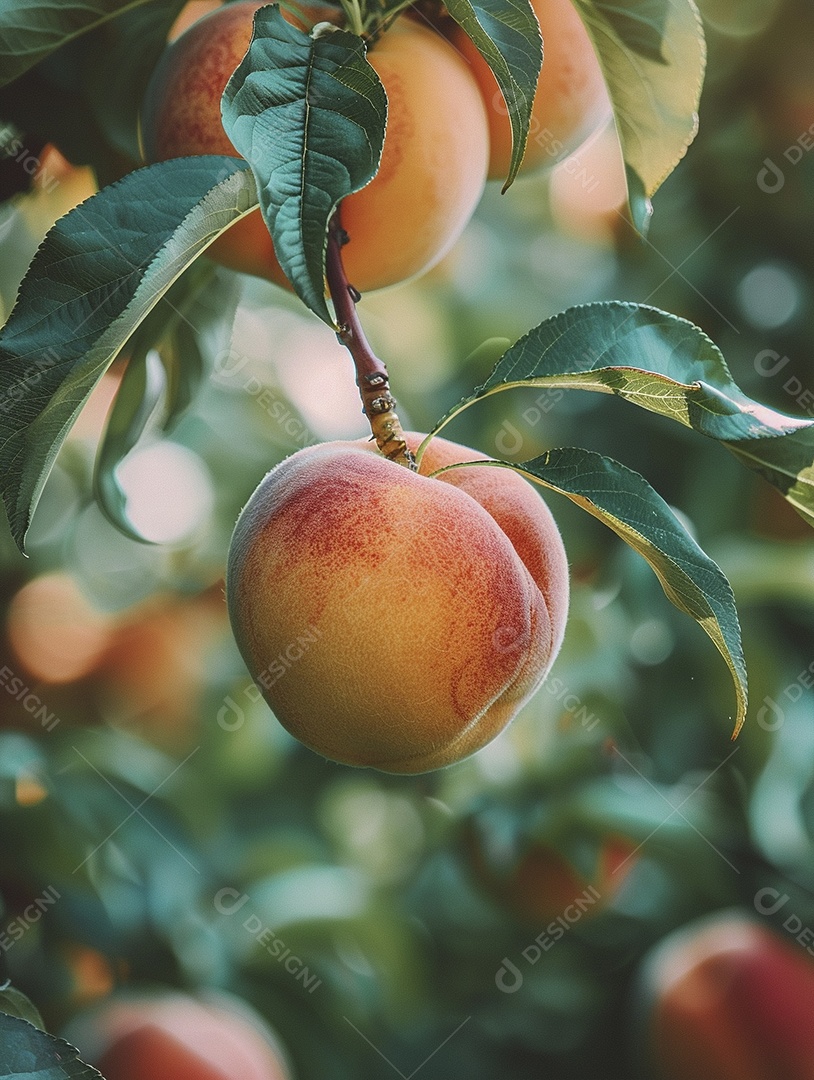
[[96, 285], [74, 315]]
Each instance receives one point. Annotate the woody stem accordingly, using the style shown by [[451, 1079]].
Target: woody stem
[[378, 403]]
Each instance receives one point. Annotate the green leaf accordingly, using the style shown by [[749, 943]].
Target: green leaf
[[653, 56], [31, 29], [507, 35], [787, 462], [199, 298], [656, 360], [665, 365], [14, 1003], [98, 273], [124, 53], [140, 392], [309, 113], [29, 1054], [185, 369], [625, 502], [47, 104]]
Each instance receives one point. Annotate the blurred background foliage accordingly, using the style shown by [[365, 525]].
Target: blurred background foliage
[[178, 830]]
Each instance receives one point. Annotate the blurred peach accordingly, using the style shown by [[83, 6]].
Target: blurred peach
[[588, 189], [173, 1036], [55, 633], [538, 883], [731, 1000], [155, 668]]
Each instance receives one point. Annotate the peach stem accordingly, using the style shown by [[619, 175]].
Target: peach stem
[[378, 404]]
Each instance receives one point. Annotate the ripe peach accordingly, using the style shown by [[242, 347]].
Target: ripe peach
[[172, 1036], [189, 14], [571, 101], [433, 165], [730, 1000], [393, 619]]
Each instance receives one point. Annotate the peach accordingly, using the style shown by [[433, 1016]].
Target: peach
[[393, 619], [728, 999], [538, 883], [433, 166], [171, 1036], [571, 101]]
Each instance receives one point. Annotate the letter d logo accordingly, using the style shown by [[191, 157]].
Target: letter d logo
[[515, 980]]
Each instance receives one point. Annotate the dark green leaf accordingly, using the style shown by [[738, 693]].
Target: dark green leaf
[[309, 114], [668, 366], [653, 56], [125, 52], [185, 369], [29, 1054], [100, 270], [656, 360], [47, 104], [624, 501], [507, 35], [31, 29]]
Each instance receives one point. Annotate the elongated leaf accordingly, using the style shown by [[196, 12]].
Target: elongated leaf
[[31, 29], [199, 297], [624, 501], [14, 1003], [656, 360], [185, 370], [507, 35], [137, 398], [787, 462], [665, 365], [653, 56], [27, 1053], [100, 270], [309, 114]]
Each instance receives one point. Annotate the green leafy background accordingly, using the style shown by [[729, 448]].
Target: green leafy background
[[636, 716]]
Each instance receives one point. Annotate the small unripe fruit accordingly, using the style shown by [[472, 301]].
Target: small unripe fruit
[[571, 101], [173, 1036], [433, 165], [393, 619], [730, 1000]]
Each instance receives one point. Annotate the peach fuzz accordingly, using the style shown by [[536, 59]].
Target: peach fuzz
[[433, 166], [392, 619], [571, 101]]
